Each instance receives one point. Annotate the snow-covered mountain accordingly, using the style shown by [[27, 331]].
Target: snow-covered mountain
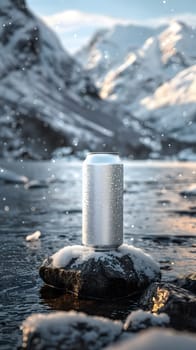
[[46, 99], [154, 85], [171, 111], [109, 48], [159, 59]]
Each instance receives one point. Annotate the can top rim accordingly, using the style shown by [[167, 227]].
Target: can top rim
[[100, 158], [116, 153]]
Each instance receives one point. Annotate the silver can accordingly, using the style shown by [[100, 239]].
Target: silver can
[[102, 201]]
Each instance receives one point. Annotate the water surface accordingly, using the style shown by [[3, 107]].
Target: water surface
[[156, 218]]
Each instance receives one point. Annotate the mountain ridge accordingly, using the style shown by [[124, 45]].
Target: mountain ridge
[[165, 59], [46, 98]]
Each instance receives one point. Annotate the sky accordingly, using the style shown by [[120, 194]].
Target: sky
[[75, 21]]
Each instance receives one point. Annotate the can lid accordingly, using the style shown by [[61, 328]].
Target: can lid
[[103, 153], [103, 158]]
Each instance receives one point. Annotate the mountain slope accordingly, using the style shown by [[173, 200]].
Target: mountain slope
[[46, 98], [109, 48], [156, 85], [171, 110], [158, 60]]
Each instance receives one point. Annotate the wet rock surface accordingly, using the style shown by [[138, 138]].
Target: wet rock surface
[[187, 282], [92, 274], [68, 331], [178, 303]]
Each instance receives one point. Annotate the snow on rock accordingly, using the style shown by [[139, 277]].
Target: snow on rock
[[68, 330], [156, 339], [140, 319], [34, 236], [89, 273], [66, 254], [143, 263]]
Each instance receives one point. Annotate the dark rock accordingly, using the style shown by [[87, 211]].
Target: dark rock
[[189, 192], [139, 320], [177, 302], [68, 330], [191, 213], [9, 176], [155, 339], [187, 282], [92, 274], [33, 184]]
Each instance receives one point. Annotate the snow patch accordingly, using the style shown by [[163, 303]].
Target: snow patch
[[70, 328], [141, 319], [156, 339], [143, 263], [34, 236]]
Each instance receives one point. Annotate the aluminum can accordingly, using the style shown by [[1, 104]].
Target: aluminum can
[[102, 226]]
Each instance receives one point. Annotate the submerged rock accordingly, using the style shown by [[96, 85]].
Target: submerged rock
[[68, 330], [177, 302], [155, 339], [140, 319], [189, 192], [94, 274], [9, 176], [33, 184]]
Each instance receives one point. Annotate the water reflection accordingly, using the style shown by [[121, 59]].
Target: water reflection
[[115, 309]]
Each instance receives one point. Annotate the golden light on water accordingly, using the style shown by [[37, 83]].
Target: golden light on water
[[160, 299]]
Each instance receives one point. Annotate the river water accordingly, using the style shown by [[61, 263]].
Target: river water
[[156, 218]]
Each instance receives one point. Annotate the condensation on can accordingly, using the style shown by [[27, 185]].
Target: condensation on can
[[102, 201]]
